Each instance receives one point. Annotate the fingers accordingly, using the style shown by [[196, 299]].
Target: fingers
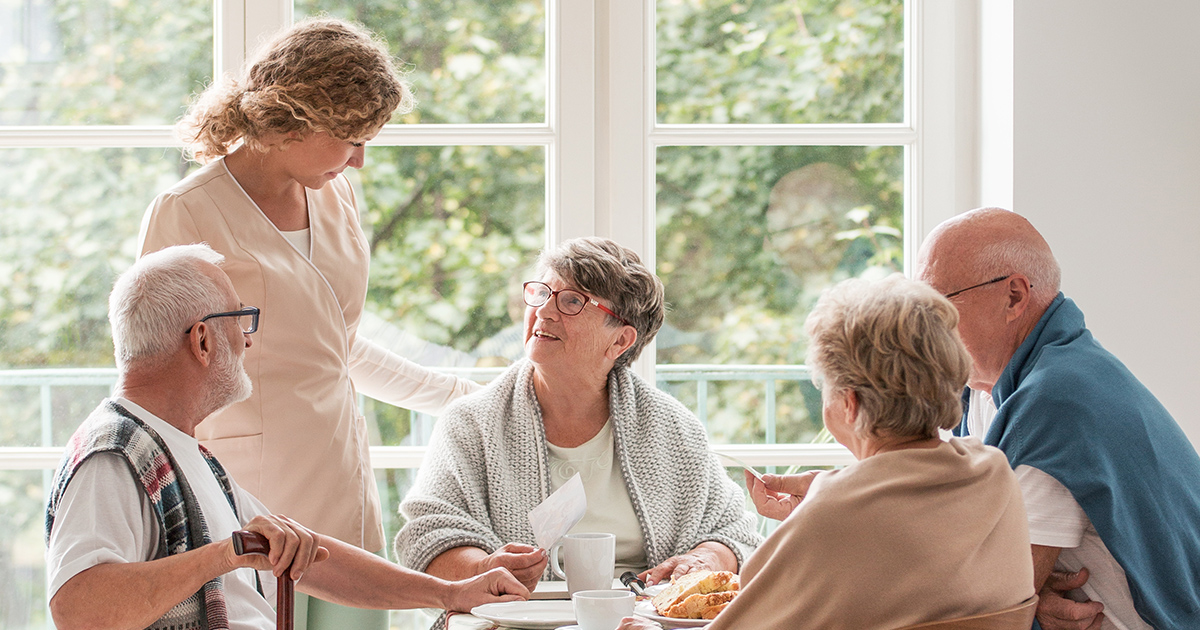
[[293, 546], [771, 506], [504, 585], [496, 585], [661, 572], [796, 485], [518, 548], [1065, 581], [526, 563], [1055, 612]]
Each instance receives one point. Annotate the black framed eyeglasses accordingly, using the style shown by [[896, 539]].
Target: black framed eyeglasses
[[247, 318], [981, 284], [568, 301]]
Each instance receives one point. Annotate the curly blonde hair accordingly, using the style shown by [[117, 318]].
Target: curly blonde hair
[[320, 75], [895, 343]]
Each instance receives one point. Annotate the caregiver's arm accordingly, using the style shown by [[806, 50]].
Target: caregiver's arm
[[353, 577]]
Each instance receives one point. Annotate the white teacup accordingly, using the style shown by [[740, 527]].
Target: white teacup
[[602, 609], [590, 560]]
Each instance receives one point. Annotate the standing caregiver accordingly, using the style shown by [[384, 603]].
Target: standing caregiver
[[272, 199]]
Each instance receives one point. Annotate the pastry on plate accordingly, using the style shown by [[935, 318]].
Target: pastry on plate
[[673, 600]]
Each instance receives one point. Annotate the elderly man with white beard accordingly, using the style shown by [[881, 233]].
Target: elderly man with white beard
[[140, 517]]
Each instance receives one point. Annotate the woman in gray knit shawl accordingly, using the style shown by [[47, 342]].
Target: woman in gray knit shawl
[[574, 406]]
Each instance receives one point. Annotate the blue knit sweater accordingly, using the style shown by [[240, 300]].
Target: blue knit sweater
[[1071, 409]]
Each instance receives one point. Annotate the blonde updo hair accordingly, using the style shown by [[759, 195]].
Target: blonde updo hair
[[894, 343], [320, 75]]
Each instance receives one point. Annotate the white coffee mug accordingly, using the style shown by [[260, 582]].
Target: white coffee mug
[[590, 560], [602, 609]]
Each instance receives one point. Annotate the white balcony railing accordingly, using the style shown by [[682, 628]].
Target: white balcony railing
[[46, 455]]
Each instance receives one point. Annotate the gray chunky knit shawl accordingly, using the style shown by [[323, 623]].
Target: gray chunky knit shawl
[[488, 466]]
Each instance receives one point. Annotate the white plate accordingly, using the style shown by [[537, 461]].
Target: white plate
[[531, 615], [646, 609]]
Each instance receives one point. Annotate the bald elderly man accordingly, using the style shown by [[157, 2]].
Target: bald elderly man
[[1111, 483], [140, 516]]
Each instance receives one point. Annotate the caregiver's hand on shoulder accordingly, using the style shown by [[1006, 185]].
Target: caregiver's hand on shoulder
[[777, 495]]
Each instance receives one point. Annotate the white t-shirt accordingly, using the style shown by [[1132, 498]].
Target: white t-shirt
[[301, 240], [106, 517], [1057, 520], [609, 508]]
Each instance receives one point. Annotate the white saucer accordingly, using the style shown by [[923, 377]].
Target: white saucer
[[570, 627]]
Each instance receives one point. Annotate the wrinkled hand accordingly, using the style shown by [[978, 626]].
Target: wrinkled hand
[[706, 556], [525, 562], [497, 585], [780, 494], [638, 623], [1056, 612], [292, 545]]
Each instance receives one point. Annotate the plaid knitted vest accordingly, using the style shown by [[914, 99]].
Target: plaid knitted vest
[[113, 429]]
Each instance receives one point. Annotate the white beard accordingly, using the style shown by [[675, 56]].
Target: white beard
[[229, 382]]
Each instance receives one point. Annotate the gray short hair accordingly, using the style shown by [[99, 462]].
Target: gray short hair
[[894, 343], [159, 297], [1003, 257], [614, 273]]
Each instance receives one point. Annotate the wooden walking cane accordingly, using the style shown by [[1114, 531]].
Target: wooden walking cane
[[245, 542]]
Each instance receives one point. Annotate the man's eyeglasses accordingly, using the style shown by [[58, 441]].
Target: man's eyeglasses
[[981, 284], [568, 301], [247, 318]]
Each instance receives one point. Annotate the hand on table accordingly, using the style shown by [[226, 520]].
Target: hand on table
[[525, 562], [1056, 612], [780, 494], [292, 545], [496, 585], [707, 556]]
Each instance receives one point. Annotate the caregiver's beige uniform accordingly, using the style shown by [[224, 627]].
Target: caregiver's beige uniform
[[298, 443]]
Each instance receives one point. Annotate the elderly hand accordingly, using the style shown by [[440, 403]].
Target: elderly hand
[[496, 585], [638, 623], [292, 545], [525, 562], [710, 556], [780, 494], [1056, 612]]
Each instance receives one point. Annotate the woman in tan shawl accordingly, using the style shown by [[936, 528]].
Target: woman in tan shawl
[[919, 529]]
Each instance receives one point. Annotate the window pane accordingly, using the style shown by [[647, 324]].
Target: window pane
[[471, 61], [806, 61], [96, 62], [22, 550], [452, 231], [68, 224], [747, 237]]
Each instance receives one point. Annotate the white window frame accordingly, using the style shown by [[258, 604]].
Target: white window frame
[[600, 136]]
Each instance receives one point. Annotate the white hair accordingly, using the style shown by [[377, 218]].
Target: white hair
[[159, 297], [1037, 263]]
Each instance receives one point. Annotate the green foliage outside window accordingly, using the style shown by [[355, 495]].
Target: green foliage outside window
[[746, 236]]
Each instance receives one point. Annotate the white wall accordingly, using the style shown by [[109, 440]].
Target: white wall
[[1107, 166]]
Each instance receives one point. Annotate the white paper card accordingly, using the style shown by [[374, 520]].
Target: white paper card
[[561, 511]]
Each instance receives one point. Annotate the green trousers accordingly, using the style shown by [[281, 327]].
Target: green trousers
[[317, 614]]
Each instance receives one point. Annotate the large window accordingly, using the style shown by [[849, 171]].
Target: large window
[[752, 152]]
